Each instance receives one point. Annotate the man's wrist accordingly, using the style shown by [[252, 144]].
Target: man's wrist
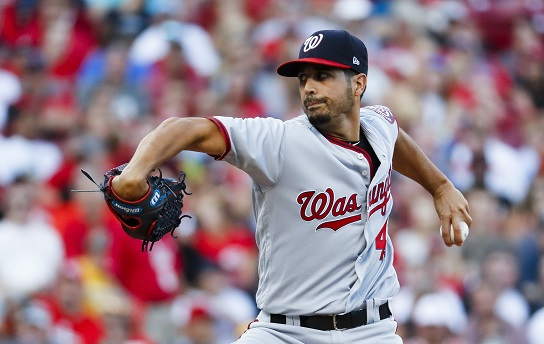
[[129, 187], [443, 185]]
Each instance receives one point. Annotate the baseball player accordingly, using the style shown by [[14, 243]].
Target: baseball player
[[322, 197]]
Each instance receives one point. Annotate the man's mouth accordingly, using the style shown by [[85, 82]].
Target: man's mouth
[[312, 103]]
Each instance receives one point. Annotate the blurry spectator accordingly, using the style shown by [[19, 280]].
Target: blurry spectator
[[153, 44], [33, 325], [68, 217], [31, 250], [65, 35], [199, 328], [224, 241], [108, 73], [484, 161], [484, 324], [500, 270], [438, 318], [522, 229], [122, 323], [236, 94], [212, 298], [528, 52], [174, 85], [25, 153], [72, 324], [487, 230]]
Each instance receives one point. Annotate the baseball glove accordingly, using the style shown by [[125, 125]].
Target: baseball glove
[[154, 215]]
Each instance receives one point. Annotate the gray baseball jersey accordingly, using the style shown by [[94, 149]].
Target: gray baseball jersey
[[321, 215]]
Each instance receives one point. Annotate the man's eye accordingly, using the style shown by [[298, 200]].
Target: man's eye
[[323, 75]]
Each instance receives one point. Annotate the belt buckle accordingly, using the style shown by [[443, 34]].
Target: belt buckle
[[335, 323]]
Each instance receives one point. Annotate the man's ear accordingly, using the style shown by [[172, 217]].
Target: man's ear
[[360, 84]]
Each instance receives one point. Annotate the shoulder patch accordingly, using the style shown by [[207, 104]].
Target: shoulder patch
[[383, 111]]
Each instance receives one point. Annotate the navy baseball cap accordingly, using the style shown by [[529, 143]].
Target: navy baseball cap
[[334, 48]]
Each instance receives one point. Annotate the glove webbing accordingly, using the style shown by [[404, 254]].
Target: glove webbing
[[170, 217]]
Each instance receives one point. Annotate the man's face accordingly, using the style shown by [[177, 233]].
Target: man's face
[[325, 93]]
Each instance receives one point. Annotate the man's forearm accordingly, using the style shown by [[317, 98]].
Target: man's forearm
[[160, 145], [163, 143]]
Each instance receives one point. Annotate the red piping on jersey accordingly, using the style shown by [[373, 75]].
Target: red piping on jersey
[[226, 137], [354, 148]]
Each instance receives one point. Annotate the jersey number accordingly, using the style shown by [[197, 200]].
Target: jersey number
[[381, 240]]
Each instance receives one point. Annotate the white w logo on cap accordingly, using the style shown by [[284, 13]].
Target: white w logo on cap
[[356, 61], [312, 42]]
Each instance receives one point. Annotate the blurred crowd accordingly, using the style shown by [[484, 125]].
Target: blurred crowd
[[82, 81]]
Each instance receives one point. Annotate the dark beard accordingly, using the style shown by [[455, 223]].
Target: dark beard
[[319, 119]]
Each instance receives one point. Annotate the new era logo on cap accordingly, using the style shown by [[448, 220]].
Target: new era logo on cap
[[334, 48]]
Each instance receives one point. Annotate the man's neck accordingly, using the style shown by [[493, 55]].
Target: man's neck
[[345, 129]]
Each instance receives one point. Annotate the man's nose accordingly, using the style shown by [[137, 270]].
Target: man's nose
[[309, 87]]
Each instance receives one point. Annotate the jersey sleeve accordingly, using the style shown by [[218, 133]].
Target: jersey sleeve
[[255, 145]]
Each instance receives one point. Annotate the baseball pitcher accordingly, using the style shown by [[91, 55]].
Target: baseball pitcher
[[322, 197]]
